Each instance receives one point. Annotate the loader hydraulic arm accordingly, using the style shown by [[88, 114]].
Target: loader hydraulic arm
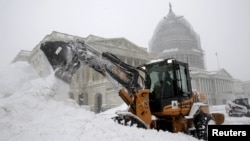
[[66, 57]]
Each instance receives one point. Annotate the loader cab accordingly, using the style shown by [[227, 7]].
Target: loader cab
[[167, 80], [243, 102]]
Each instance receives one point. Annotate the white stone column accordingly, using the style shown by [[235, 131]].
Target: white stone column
[[216, 86]]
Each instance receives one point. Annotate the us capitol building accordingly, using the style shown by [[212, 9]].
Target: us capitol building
[[173, 37]]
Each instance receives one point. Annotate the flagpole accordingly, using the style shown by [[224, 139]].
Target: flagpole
[[217, 60]]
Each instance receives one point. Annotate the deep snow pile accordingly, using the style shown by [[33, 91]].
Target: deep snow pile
[[37, 109]]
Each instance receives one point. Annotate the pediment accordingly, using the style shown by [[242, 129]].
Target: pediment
[[93, 38], [223, 72], [119, 43]]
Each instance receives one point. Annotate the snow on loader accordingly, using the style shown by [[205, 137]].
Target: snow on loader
[[158, 94], [238, 108]]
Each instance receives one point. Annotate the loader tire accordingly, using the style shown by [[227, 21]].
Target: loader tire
[[230, 113], [248, 114], [201, 123]]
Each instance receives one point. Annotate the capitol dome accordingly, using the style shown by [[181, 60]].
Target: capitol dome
[[174, 37]]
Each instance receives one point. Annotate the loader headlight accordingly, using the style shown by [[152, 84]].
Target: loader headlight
[[169, 61]]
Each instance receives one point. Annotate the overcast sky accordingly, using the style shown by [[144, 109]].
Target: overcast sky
[[223, 25]]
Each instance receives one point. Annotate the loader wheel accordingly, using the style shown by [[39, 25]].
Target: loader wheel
[[248, 114], [230, 113], [200, 123]]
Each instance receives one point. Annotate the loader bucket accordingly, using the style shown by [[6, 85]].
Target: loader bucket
[[62, 59], [219, 118]]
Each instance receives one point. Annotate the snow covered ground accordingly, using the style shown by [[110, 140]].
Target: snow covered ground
[[34, 109]]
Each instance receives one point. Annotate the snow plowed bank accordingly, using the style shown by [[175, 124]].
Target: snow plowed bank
[[35, 109], [38, 109]]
